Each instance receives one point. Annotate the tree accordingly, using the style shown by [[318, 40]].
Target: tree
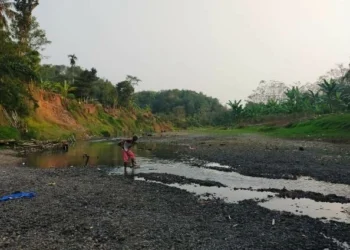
[[314, 99], [125, 90], [58, 73], [7, 46], [26, 33], [133, 80], [236, 109], [197, 108], [23, 22], [105, 92], [72, 59], [84, 83], [14, 75], [268, 90], [346, 78], [329, 88], [37, 37], [295, 99], [6, 13]]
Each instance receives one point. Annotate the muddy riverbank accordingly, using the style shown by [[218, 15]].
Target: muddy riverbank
[[78, 208], [87, 208], [260, 156]]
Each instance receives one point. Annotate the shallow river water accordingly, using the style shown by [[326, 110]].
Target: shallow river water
[[108, 154]]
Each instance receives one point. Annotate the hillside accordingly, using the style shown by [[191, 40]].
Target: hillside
[[58, 118], [183, 108]]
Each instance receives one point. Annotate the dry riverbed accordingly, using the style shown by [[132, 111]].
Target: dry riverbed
[[85, 208]]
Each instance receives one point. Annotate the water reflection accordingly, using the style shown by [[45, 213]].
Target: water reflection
[[108, 153], [101, 153]]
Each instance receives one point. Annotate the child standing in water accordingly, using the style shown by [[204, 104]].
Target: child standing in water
[[126, 145]]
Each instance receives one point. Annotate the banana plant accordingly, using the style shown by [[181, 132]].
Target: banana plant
[[329, 88], [64, 89], [236, 108]]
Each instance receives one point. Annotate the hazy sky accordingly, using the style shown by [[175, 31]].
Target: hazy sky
[[220, 47]]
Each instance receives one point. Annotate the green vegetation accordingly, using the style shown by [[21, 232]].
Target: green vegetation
[[20, 40], [219, 131], [271, 107], [117, 108], [9, 133], [326, 96], [184, 108], [71, 89], [334, 127], [43, 130]]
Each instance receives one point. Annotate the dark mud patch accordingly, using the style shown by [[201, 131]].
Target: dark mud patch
[[263, 157], [298, 194], [89, 210], [172, 179], [227, 170]]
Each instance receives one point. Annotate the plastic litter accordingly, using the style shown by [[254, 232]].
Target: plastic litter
[[18, 195]]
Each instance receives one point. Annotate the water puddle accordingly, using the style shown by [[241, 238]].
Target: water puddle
[[228, 194], [323, 210], [215, 165], [234, 181], [101, 153]]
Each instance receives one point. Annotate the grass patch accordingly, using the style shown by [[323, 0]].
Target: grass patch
[[43, 130], [224, 131], [330, 127], [327, 127], [9, 133]]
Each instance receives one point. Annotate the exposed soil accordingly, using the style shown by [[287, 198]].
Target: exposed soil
[[261, 156], [9, 158], [84, 208], [298, 194]]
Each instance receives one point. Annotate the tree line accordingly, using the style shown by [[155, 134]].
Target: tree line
[[21, 43], [184, 108], [21, 40], [329, 94], [74, 82]]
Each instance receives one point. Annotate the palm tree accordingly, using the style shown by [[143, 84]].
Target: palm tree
[[329, 88], [73, 60], [64, 89], [6, 13], [236, 108]]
